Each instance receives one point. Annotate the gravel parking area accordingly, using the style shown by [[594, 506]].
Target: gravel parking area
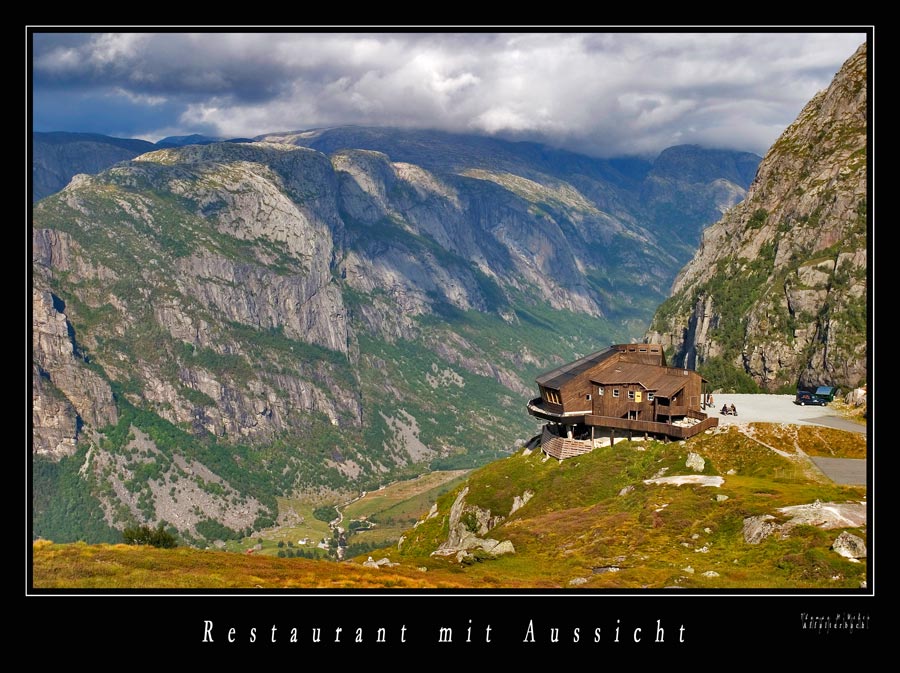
[[779, 409]]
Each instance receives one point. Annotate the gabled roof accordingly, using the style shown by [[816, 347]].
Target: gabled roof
[[663, 381], [557, 377]]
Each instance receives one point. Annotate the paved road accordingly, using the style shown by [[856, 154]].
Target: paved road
[[850, 471]]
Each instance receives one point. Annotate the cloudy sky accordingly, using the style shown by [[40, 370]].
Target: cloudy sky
[[601, 93]]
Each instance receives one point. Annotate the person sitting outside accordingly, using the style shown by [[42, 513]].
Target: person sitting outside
[[733, 410], [724, 411]]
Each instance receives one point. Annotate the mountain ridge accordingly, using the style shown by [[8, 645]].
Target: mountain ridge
[[777, 291], [261, 319]]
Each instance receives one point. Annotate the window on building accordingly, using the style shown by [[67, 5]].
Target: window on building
[[552, 396], [600, 391], [630, 394], [615, 392], [649, 397], [588, 396]]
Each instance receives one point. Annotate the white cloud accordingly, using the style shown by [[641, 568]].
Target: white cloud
[[607, 93]]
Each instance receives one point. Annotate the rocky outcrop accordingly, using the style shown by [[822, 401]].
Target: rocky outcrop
[[758, 528], [520, 501], [850, 546], [858, 397], [825, 515], [54, 420], [466, 524], [778, 286], [327, 316]]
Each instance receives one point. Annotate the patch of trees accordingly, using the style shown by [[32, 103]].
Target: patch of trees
[[155, 537]]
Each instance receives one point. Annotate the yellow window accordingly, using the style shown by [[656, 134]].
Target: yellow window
[[637, 396]]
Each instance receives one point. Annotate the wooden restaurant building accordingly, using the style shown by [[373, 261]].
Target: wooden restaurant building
[[623, 390]]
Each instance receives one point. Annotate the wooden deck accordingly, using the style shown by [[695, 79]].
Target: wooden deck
[[562, 448]]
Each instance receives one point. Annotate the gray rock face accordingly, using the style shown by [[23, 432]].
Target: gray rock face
[[65, 392], [793, 254], [856, 397], [849, 545], [758, 528], [258, 293], [695, 462]]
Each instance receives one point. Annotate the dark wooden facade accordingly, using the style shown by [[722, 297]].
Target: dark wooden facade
[[626, 387]]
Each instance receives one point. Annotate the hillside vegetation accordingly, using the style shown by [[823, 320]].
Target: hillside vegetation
[[592, 522]]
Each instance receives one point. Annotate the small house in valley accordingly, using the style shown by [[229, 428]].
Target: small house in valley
[[623, 390]]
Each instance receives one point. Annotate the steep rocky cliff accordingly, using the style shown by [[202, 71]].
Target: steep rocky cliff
[[778, 288], [219, 325]]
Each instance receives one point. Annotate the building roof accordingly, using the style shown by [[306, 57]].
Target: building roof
[[663, 381], [557, 377]]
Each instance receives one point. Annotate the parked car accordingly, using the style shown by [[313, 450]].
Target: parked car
[[805, 397]]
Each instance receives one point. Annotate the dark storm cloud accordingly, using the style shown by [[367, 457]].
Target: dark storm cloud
[[608, 93]]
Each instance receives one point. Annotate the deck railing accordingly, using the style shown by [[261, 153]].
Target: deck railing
[[677, 431]]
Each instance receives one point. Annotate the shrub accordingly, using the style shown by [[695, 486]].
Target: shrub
[[156, 537]]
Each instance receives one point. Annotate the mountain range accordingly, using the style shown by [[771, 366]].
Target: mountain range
[[219, 325]]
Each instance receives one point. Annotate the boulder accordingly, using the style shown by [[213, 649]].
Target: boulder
[[577, 580], [849, 545], [695, 462], [710, 573], [626, 490], [856, 397]]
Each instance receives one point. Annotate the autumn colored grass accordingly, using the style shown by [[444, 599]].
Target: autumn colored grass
[[82, 566]]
